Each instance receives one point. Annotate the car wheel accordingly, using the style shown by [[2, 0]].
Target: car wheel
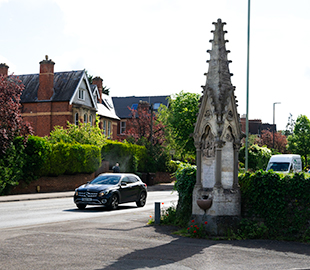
[[142, 199], [81, 206], [114, 202]]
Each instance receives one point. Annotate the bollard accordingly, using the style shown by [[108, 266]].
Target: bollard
[[157, 212]]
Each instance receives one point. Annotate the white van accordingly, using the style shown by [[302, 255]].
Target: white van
[[285, 163]]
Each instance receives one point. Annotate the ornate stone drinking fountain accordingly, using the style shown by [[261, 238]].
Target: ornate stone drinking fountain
[[217, 136]]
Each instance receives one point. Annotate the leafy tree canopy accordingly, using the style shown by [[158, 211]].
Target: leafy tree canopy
[[83, 134], [145, 127], [180, 119], [11, 121], [299, 142], [276, 141]]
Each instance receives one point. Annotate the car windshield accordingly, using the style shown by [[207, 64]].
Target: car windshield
[[106, 180], [278, 166]]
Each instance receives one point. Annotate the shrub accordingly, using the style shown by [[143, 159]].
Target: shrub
[[11, 166], [131, 157], [36, 155], [280, 202], [185, 182], [258, 157], [68, 158]]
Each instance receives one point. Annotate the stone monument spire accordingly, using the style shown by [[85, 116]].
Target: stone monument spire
[[217, 139]]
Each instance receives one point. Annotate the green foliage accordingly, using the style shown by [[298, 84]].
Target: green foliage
[[196, 230], [36, 156], [186, 179], [299, 142], [252, 229], [11, 166], [258, 157], [279, 205], [179, 120], [83, 134], [68, 158], [131, 157]]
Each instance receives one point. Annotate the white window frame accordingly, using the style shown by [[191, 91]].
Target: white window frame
[[91, 119], [82, 94], [85, 118]]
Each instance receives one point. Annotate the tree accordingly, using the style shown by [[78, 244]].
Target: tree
[[11, 121], [144, 126], [82, 133], [145, 129], [299, 142], [180, 119], [258, 156], [289, 126], [90, 78], [279, 142]]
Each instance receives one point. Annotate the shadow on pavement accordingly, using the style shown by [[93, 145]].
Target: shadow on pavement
[[180, 248]]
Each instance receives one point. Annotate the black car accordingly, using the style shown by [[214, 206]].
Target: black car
[[111, 189]]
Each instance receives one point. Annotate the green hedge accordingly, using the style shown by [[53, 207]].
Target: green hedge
[[72, 158], [131, 157], [277, 204]]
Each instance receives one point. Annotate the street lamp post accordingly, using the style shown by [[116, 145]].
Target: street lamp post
[[274, 106]]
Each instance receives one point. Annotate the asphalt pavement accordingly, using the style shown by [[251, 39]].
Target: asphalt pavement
[[55, 195]]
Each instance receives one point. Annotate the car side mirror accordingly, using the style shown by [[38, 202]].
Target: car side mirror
[[123, 184]]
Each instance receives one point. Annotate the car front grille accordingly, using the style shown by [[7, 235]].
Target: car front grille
[[88, 194]]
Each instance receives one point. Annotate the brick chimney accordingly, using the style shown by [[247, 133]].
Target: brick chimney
[[46, 79], [4, 69], [98, 81]]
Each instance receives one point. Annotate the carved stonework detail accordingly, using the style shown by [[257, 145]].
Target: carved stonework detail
[[209, 149], [208, 114], [230, 115]]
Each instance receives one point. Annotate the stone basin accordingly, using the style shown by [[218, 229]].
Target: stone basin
[[204, 204]]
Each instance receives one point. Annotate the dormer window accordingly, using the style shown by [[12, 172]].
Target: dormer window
[[82, 94]]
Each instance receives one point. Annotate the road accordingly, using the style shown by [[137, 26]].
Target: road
[[34, 212], [54, 234]]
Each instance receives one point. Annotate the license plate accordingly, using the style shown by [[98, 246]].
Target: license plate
[[87, 199]]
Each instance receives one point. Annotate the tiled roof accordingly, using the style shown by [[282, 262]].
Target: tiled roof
[[121, 104], [65, 84]]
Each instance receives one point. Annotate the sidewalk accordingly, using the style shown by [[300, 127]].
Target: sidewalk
[[55, 195]]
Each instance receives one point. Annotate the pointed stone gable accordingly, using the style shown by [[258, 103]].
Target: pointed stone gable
[[218, 104]]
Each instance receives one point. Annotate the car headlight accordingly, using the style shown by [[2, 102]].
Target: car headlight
[[104, 192], [76, 193]]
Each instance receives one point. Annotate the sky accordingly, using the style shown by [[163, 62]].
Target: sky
[[158, 47]]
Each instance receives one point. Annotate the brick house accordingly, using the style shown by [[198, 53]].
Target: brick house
[[106, 112], [54, 98], [256, 126], [124, 104]]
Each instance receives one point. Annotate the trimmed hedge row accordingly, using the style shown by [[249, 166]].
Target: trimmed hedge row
[[38, 157], [131, 157], [278, 206]]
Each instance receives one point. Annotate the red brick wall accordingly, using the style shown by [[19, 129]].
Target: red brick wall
[[43, 116], [53, 184], [70, 182]]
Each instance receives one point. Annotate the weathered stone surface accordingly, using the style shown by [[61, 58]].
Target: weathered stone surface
[[217, 139]]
